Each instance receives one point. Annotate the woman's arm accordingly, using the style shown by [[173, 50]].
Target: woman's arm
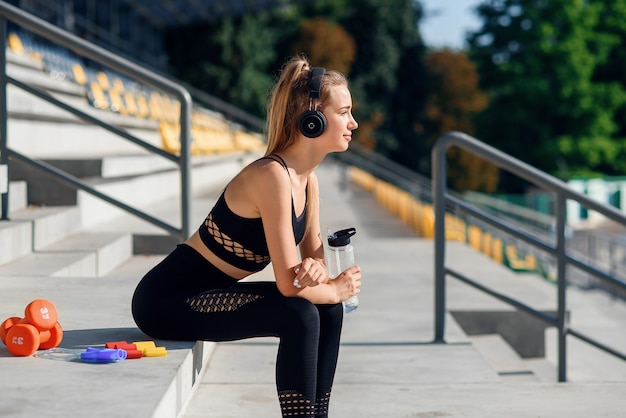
[[312, 245], [275, 208]]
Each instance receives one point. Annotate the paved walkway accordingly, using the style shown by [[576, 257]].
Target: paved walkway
[[388, 365]]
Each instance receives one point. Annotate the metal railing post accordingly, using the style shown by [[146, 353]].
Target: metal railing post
[[185, 163], [443, 199], [439, 197], [4, 155], [561, 286]]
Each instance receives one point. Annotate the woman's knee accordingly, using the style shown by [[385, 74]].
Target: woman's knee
[[301, 315]]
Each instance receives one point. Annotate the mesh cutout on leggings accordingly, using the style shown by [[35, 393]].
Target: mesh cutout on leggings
[[230, 245], [294, 404], [321, 405], [220, 301]]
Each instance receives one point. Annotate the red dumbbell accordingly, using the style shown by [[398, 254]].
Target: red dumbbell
[[39, 329], [41, 313], [6, 325]]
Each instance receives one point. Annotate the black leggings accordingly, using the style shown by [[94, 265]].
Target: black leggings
[[186, 298]]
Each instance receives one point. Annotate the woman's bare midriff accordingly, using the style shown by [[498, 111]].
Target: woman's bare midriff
[[196, 243]]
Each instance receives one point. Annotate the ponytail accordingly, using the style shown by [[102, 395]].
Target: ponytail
[[288, 100]]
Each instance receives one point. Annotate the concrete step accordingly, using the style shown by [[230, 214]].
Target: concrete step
[[93, 312], [543, 369], [15, 240], [137, 180], [157, 194], [503, 358], [110, 249], [112, 166], [49, 224], [18, 195], [75, 264], [77, 255], [49, 241]]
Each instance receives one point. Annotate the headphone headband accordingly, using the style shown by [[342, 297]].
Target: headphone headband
[[312, 123], [315, 84]]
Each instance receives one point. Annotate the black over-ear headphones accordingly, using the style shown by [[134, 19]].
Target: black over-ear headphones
[[313, 122]]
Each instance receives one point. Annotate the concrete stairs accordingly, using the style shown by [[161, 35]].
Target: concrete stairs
[[87, 256], [56, 230], [82, 236], [389, 365], [41, 130], [506, 362]]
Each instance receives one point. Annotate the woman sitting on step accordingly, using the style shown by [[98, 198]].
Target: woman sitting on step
[[268, 212]]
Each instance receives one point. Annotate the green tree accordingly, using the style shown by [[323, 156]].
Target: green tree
[[229, 58], [555, 99], [452, 103], [326, 44], [376, 43], [387, 76]]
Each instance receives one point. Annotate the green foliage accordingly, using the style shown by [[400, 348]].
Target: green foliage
[[321, 39], [376, 43], [229, 58], [555, 75], [453, 100], [387, 76]]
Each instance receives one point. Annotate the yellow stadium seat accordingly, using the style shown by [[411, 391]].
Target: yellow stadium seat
[[103, 80], [15, 43], [170, 136], [516, 262], [155, 105], [97, 96], [143, 110], [117, 104], [131, 104], [79, 74], [118, 85], [246, 141]]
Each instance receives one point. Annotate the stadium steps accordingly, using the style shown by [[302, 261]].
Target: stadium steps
[[41, 130], [65, 232], [89, 272], [86, 256], [503, 358], [388, 363], [77, 254]]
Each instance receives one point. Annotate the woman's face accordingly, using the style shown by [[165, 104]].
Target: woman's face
[[340, 122]]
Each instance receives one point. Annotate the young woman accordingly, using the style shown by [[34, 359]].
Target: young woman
[[268, 212]]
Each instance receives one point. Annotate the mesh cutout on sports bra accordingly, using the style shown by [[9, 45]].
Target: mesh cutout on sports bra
[[230, 245], [294, 404], [220, 301]]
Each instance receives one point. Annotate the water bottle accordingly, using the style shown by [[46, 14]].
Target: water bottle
[[340, 257]]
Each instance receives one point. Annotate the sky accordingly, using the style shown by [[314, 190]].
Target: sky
[[447, 21]]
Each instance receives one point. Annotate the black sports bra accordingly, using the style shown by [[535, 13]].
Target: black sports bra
[[241, 241]]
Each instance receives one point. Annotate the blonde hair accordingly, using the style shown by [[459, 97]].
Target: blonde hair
[[288, 100]]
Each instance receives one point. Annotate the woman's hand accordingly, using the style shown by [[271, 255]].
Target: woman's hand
[[348, 283], [309, 273]]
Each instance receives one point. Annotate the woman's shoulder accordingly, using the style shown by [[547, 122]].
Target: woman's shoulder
[[263, 174]]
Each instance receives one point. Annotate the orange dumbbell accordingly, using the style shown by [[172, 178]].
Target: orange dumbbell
[[39, 329], [6, 325], [41, 313]]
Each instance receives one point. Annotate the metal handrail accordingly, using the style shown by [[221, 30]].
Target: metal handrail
[[46, 30], [443, 199], [387, 170]]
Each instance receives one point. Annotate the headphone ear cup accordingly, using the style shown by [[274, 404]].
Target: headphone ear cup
[[312, 123]]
